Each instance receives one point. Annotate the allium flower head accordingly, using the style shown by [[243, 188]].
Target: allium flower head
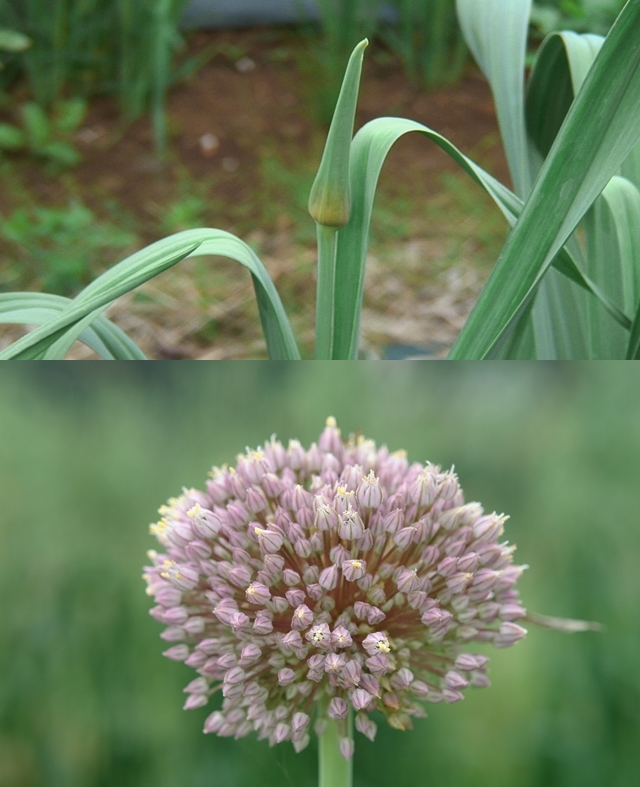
[[312, 582]]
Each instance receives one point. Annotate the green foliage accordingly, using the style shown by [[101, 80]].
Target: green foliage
[[537, 313], [46, 136], [58, 248], [86, 458], [584, 16], [13, 41], [424, 34], [550, 291], [84, 47], [427, 38]]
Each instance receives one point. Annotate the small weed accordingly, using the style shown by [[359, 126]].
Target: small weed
[[59, 248], [46, 136]]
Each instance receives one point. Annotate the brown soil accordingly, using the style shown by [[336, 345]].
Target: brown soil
[[252, 116]]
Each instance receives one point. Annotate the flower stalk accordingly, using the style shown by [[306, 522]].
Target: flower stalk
[[330, 200], [334, 769], [325, 300]]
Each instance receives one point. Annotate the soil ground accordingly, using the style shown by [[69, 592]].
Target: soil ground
[[245, 137]]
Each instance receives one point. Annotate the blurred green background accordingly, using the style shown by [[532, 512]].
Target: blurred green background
[[86, 458]]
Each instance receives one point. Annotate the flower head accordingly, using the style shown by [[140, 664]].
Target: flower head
[[335, 578]]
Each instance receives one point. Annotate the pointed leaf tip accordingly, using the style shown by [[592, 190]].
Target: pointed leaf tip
[[330, 198]]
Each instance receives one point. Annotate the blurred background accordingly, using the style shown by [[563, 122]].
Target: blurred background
[[86, 459], [123, 121]]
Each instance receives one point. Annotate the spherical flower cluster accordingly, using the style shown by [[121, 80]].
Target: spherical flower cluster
[[328, 580]]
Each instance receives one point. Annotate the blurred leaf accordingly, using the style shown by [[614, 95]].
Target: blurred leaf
[[11, 138], [69, 115], [36, 124], [60, 152], [13, 41]]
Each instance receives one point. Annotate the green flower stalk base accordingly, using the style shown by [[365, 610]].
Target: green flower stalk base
[[334, 770]]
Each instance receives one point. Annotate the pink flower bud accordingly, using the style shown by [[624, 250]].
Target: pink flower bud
[[281, 732], [370, 684], [452, 695], [331, 440], [404, 537], [375, 616], [326, 518], [292, 640], [334, 662], [402, 679], [455, 680], [378, 664], [255, 500], [366, 726], [302, 617], [423, 490], [295, 597], [234, 676], [262, 624], [314, 591], [369, 492], [337, 709], [329, 578], [290, 577], [286, 676], [354, 569], [420, 689], [195, 701], [407, 580], [214, 722], [269, 540], [250, 654], [351, 526], [509, 634], [360, 698], [177, 653], [257, 593], [488, 528], [340, 637], [346, 747]]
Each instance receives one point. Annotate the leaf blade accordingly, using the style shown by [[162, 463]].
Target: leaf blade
[[596, 137]]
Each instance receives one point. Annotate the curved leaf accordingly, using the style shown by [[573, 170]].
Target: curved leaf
[[370, 147], [496, 32], [102, 336], [66, 328], [559, 69]]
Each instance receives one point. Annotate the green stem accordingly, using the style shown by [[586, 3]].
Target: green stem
[[335, 771], [325, 300]]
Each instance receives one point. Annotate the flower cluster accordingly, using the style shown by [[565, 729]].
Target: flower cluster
[[319, 581]]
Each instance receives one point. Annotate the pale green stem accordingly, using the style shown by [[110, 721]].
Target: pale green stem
[[325, 300], [335, 771]]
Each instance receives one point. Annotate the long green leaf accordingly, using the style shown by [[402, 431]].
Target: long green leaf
[[559, 317], [613, 261], [496, 32], [33, 308], [330, 199], [369, 149], [559, 69], [146, 264], [598, 133]]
